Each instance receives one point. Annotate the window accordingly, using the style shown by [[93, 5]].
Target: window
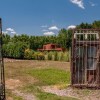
[[92, 51], [92, 62], [80, 51]]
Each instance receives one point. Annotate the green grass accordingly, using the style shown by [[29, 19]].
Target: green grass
[[43, 95], [15, 97], [47, 77], [50, 76], [49, 96], [35, 74]]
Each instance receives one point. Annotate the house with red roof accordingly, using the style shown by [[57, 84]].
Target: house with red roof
[[51, 47]]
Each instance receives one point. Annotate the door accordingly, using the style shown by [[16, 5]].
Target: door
[[85, 64]]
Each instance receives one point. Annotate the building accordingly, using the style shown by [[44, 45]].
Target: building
[[85, 58], [51, 47]]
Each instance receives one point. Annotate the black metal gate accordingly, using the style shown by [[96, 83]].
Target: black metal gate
[[85, 62]]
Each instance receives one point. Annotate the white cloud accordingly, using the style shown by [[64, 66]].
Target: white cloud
[[53, 28], [79, 3], [44, 30], [10, 29], [49, 33], [13, 32], [5, 32], [92, 4], [44, 26], [71, 27]]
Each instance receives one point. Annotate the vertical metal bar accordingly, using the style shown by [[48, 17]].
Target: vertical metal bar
[[75, 49], [79, 73], [78, 59], [99, 62], [86, 60], [98, 67], [82, 60], [72, 60], [94, 65], [89, 58], [2, 95]]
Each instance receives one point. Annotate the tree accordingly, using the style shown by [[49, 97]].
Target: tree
[[6, 38], [14, 50], [62, 37], [96, 24]]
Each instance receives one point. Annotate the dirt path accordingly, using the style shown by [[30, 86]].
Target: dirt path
[[13, 84], [79, 94], [25, 96]]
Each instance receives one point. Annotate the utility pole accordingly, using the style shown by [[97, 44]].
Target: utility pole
[[2, 77]]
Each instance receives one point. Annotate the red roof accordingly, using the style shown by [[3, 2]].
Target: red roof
[[51, 47]]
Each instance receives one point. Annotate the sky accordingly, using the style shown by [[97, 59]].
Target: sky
[[46, 17]]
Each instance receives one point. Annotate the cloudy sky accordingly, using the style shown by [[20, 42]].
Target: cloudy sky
[[46, 17]]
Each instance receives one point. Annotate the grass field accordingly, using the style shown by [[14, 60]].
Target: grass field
[[42, 80]]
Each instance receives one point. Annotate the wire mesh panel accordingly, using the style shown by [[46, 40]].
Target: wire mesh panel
[[85, 61], [2, 79]]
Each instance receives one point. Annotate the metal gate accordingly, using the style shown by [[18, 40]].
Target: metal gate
[[85, 58]]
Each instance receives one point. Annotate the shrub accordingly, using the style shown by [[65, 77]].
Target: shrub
[[40, 56], [28, 54], [66, 56], [14, 50], [49, 55], [55, 56]]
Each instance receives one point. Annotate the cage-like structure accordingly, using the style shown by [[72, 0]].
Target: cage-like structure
[[85, 58], [2, 78]]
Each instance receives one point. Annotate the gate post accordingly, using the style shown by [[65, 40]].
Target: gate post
[[2, 77]]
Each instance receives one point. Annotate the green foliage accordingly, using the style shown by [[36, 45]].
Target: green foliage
[[50, 55], [6, 38], [96, 24], [29, 54], [38, 56], [14, 50], [14, 47], [57, 56]]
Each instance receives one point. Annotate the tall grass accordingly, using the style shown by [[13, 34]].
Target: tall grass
[[57, 56], [51, 55]]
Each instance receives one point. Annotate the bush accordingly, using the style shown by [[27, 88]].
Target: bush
[[55, 56], [61, 56], [29, 54], [39, 56], [66, 56], [14, 50], [50, 55]]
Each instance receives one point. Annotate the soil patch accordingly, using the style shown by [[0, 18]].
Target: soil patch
[[70, 92]]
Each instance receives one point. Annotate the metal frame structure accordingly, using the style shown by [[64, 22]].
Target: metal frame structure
[[2, 77], [85, 58]]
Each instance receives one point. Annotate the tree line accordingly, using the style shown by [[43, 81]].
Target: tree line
[[15, 47]]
